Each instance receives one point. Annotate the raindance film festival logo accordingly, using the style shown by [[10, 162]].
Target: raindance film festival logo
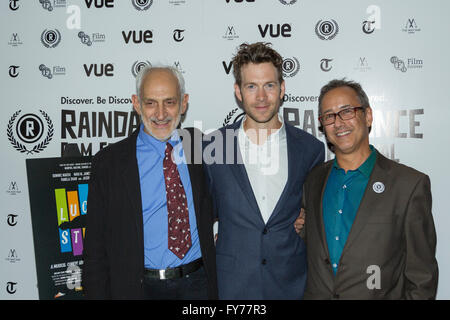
[[138, 66], [26, 133], [142, 5], [327, 30], [50, 38], [232, 117], [290, 67]]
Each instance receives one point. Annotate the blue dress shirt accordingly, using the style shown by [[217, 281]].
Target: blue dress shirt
[[150, 155], [341, 199]]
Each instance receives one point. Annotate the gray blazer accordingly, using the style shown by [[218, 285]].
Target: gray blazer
[[390, 250]]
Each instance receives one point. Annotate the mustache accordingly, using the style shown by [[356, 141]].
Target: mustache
[[341, 128], [165, 120]]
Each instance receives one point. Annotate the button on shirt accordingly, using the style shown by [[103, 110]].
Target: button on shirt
[[150, 155], [266, 166], [341, 199]]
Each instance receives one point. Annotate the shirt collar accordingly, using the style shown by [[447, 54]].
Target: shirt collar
[[279, 134], [159, 146], [367, 167]]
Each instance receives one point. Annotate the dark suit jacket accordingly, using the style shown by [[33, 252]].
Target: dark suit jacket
[[257, 260], [114, 251], [393, 231]]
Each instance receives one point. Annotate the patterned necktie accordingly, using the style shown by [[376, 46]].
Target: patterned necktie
[[178, 214]]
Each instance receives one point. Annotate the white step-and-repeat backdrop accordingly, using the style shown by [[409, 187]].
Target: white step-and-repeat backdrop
[[68, 71]]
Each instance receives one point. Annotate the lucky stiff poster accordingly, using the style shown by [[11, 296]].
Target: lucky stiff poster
[[58, 189]]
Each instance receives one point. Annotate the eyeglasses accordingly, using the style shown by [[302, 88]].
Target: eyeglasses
[[345, 114]]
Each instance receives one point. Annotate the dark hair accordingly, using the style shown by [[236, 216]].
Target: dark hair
[[258, 52], [338, 83]]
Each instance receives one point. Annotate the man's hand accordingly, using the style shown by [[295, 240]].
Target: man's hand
[[300, 221]]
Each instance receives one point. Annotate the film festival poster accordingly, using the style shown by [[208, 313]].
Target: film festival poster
[[58, 189]]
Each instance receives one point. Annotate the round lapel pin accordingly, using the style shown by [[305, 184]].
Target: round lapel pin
[[378, 187]]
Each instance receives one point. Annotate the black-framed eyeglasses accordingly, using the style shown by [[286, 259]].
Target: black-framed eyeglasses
[[345, 114]]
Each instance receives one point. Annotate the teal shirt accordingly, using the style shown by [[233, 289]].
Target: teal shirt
[[341, 199]]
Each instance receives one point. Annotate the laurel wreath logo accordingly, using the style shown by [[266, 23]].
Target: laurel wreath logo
[[138, 65], [141, 6], [327, 37], [229, 117], [292, 71], [37, 148], [53, 43], [288, 3]]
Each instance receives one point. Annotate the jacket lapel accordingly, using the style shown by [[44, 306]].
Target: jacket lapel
[[322, 182], [292, 146], [131, 181], [380, 173], [190, 147], [238, 169]]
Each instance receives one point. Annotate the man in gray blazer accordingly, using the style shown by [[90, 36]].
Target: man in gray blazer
[[369, 228]]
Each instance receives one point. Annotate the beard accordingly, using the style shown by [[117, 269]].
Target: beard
[[258, 118], [147, 125]]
